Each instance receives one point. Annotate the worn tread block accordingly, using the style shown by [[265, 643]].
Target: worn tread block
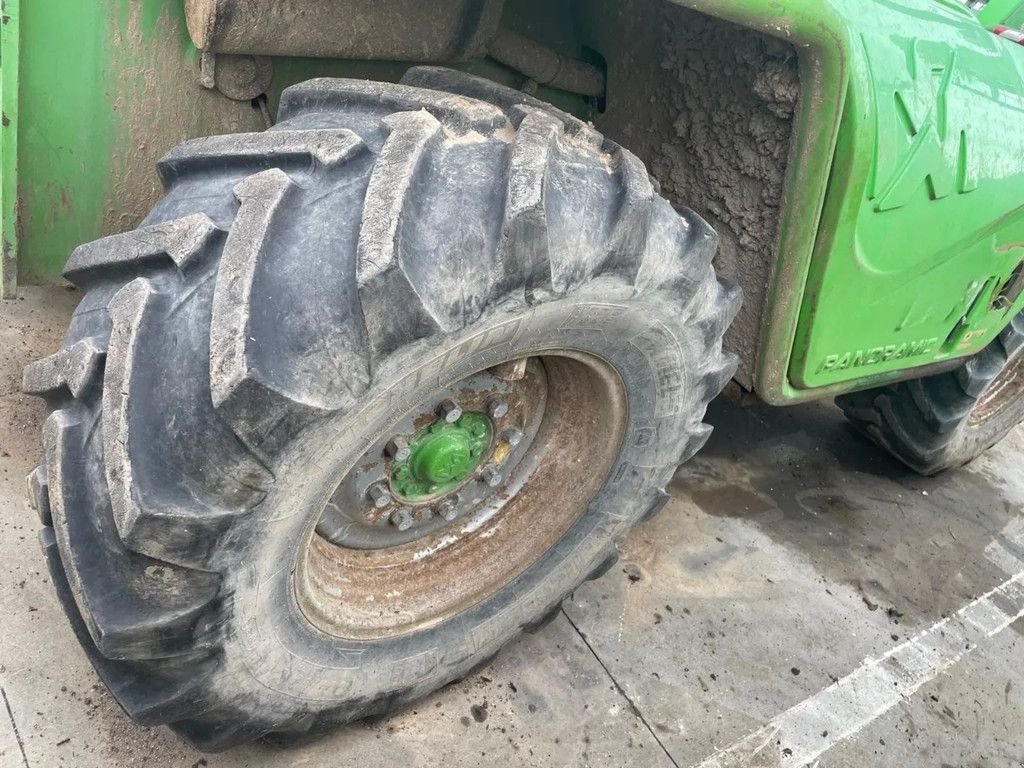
[[319, 148], [628, 241], [147, 524], [508, 99], [395, 308], [77, 368], [181, 241], [523, 254], [38, 492], [678, 252], [457, 113], [133, 606], [262, 415]]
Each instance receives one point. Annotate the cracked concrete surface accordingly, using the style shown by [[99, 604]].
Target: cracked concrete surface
[[791, 551]]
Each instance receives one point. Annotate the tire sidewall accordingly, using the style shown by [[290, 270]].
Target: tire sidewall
[[271, 644]]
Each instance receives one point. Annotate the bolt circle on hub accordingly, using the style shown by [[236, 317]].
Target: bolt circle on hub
[[426, 474], [442, 456]]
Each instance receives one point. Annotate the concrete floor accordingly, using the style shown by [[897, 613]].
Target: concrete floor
[[791, 553]]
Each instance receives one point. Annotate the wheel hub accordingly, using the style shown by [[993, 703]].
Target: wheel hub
[[442, 462], [441, 457]]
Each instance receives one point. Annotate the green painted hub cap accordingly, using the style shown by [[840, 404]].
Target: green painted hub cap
[[442, 456]]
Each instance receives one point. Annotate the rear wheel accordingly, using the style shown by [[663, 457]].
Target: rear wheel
[[365, 396], [944, 421]]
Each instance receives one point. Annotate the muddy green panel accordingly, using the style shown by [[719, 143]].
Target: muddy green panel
[[106, 88], [903, 212], [924, 217], [10, 38]]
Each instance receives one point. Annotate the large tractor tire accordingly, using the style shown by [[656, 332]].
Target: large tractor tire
[[365, 396], [945, 421]]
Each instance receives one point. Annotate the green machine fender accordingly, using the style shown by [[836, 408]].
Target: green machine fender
[[903, 235]]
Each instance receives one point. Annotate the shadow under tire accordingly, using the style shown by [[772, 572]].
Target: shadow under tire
[[296, 294], [944, 421]]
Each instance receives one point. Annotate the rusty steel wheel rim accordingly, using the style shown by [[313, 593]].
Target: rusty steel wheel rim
[[400, 548], [1004, 390]]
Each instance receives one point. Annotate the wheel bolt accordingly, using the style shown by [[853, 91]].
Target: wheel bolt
[[496, 408], [398, 449], [450, 411], [402, 518], [380, 495], [491, 476], [512, 436], [448, 509]]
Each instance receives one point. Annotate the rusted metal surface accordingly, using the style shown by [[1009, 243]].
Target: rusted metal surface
[[1006, 389], [545, 66], [361, 594]]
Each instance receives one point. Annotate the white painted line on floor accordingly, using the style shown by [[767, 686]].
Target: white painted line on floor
[[806, 731], [1007, 549]]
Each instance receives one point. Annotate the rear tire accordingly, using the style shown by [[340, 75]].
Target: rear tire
[[945, 421], [294, 294]]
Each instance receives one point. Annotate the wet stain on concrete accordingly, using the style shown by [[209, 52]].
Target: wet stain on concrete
[[815, 486]]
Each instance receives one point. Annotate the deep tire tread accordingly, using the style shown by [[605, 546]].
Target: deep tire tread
[[257, 152], [180, 241]]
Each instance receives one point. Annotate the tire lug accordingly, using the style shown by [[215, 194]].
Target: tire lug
[[379, 494], [450, 410], [398, 449], [496, 408], [402, 518]]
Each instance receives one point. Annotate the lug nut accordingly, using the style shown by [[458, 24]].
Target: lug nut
[[491, 476], [448, 509], [398, 449], [380, 495], [450, 411], [402, 518], [512, 436], [496, 408]]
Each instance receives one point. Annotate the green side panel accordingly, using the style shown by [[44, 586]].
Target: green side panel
[[107, 87], [1007, 12], [9, 41], [923, 223]]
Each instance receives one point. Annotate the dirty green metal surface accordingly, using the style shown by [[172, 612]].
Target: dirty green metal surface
[[912, 117], [10, 24], [924, 217], [98, 109]]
